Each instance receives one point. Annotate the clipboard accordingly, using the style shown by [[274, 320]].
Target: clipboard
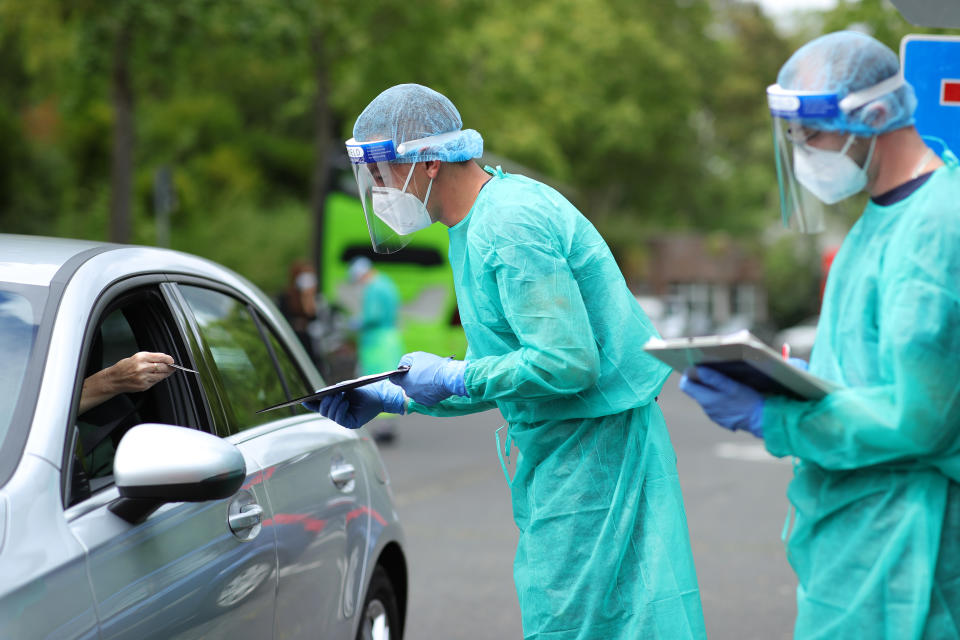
[[346, 385], [744, 358]]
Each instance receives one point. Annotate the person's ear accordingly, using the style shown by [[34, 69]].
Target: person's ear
[[432, 167], [875, 115]]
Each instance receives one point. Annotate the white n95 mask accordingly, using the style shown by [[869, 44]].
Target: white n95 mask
[[831, 176], [402, 211]]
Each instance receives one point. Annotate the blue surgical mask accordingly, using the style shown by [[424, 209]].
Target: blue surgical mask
[[831, 176]]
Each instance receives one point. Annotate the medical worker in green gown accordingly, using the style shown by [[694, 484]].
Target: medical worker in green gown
[[380, 343], [876, 539], [555, 343]]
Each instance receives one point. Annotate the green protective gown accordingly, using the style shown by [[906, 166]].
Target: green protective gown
[[555, 342], [381, 345], [876, 541]]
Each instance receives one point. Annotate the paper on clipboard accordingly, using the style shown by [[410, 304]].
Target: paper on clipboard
[[743, 357], [346, 385]]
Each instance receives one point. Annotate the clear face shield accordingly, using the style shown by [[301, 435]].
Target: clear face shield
[[393, 212], [815, 169]]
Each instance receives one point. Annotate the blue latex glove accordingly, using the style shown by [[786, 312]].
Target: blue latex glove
[[727, 402], [431, 378], [799, 363], [354, 408]]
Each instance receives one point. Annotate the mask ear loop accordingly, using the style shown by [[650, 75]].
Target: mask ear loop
[[409, 175], [429, 186], [873, 145], [849, 143]]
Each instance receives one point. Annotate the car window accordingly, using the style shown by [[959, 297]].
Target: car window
[[135, 321], [250, 380], [296, 383]]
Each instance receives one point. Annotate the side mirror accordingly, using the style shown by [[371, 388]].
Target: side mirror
[[158, 463]]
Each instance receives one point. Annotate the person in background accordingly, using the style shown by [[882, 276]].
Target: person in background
[[876, 488], [555, 343], [298, 303], [380, 342]]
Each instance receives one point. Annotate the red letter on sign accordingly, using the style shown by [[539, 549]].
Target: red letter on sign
[[950, 92]]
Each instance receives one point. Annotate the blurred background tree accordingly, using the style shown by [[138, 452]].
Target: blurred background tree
[[650, 115]]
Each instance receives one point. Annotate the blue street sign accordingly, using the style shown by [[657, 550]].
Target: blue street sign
[[932, 65]]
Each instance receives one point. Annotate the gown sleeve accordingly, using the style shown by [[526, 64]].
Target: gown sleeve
[[452, 406], [914, 410]]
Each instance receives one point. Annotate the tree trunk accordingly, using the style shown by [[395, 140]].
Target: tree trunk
[[121, 162], [323, 124]]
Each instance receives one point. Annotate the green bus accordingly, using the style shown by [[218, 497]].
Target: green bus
[[429, 320]]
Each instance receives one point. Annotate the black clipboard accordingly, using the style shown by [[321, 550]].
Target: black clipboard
[[346, 385], [745, 358]]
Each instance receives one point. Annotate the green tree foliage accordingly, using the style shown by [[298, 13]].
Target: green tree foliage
[[650, 114], [879, 18]]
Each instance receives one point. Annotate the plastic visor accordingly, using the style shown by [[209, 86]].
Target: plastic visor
[[800, 210], [373, 168], [796, 115]]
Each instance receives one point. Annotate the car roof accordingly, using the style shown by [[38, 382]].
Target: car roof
[[36, 259]]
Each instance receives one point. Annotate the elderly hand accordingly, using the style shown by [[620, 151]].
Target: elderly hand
[[139, 372], [727, 402]]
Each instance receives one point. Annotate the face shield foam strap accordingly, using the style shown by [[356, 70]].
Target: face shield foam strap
[[424, 143], [857, 99]]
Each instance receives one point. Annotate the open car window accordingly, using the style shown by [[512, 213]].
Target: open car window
[[135, 321]]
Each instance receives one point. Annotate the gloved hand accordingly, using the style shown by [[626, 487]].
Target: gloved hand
[[354, 408], [799, 363], [727, 402], [431, 378]]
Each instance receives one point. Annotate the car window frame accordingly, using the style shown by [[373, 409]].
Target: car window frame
[[112, 298], [227, 428]]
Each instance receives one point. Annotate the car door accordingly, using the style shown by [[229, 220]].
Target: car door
[[182, 573], [312, 471]]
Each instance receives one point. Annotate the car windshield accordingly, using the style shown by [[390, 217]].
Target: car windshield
[[19, 317]]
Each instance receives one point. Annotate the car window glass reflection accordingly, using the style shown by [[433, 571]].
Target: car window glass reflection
[[297, 385], [17, 332], [245, 366]]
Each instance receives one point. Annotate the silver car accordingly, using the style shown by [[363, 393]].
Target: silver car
[[179, 511]]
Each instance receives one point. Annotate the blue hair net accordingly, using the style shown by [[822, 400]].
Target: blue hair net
[[845, 62], [410, 112]]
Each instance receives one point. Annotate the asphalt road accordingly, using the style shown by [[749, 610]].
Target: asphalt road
[[455, 505]]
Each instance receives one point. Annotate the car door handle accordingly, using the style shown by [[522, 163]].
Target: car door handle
[[343, 475], [249, 516]]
